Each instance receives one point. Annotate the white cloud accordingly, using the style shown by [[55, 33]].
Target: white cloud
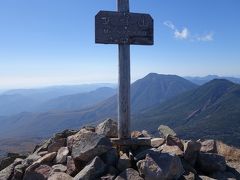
[[185, 34], [205, 38]]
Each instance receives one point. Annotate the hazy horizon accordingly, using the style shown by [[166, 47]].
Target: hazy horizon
[[42, 86], [41, 82]]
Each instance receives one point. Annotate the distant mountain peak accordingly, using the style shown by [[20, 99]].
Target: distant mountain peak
[[212, 76], [219, 83], [211, 110], [162, 78], [205, 79], [160, 75]]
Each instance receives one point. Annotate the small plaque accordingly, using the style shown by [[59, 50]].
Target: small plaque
[[123, 28]]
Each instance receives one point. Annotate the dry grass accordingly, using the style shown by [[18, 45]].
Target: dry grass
[[230, 153]]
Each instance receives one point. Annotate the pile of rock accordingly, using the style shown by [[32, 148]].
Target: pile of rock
[[9, 159], [89, 154]]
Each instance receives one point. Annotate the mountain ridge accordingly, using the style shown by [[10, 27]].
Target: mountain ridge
[[47, 123], [53, 98], [202, 112], [205, 79], [76, 101]]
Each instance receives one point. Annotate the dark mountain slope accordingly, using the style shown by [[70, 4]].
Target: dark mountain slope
[[41, 125], [211, 111], [157, 88], [147, 92], [44, 124], [14, 104]]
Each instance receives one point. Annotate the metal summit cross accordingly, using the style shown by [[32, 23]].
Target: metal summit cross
[[123, 28]]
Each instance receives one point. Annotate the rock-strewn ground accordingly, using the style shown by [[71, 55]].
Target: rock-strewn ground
[[88, 154]]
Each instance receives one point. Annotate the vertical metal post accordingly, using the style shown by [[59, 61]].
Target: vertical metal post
[[124, 82]]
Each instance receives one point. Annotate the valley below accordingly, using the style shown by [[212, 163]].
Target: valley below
[[208, 111]]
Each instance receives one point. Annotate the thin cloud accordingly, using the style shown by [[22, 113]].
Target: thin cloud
[[169, 24], [205, 38], [185, 34]]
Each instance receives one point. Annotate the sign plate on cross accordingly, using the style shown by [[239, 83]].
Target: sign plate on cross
[[123, 28]]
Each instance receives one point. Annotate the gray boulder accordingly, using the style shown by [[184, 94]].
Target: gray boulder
[[76, 137], [191, 151], [30, 159], [129, 174], [174, 141], [136, 134], [71, 167], [5, 162], [110, 173], [89, 128], [156, 142], [93, 170], [108, 177], [175, 150], [188, 176], [108, 128], [124, 162], [56, 144], [60, 176], [18, 172], [209, 146], [210, 163], [160, 166], [164, 131], [187, 167], [9, 159], [204, 178], [110, 157], [62, 155], [42, 153], [142, 155], [90, 145], [6, 173], [59, 168], [47, 159], [42, 147], [223, 175], [40, 173], [146, 134], [64, 134]]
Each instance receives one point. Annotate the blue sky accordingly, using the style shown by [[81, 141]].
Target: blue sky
[[48, 42]]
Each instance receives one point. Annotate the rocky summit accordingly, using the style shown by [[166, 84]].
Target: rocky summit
[[90, 154]]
